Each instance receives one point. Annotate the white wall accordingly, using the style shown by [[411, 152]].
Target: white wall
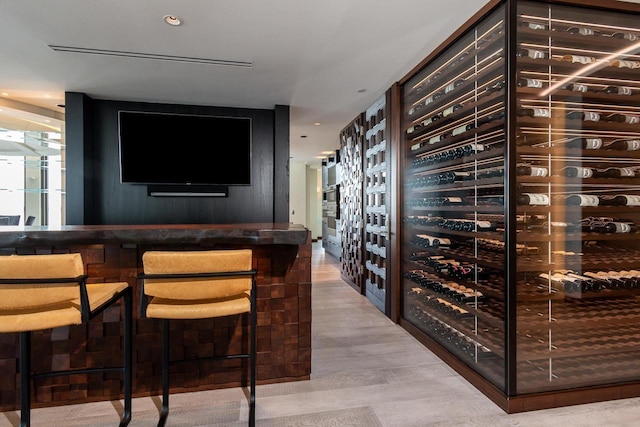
[[314, 202], [305, 197]]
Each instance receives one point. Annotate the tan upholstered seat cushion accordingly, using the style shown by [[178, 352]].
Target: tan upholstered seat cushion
[[162, 308], [36, 319], [99, 293]]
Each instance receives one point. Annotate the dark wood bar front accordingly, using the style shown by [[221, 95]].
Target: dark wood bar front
[[281, 255]]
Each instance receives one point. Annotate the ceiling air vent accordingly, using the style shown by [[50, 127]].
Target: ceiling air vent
[[125, 54]]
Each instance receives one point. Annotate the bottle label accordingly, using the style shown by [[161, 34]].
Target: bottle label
[[593, 143], [538, 199], [483, 224], [586, 31], [411, 111], [535, 54], [428, 101], [632, 200], [447, 112], [583, 172], [558, 224], [412, 129], [577, 87], [633, 144], [621, 227], [476, 147], [541, 112], [631, 37], [449, 87], [588, 200], [591, 116], [459, 130], [621, 63], [415, 147], [623, 90], [535, 26], [534, 83], [631, 119], [434, 139], [536, 171], [626, 172], [579, 59], [454, 199]]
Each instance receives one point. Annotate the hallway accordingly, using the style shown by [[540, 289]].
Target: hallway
[[366, 371]]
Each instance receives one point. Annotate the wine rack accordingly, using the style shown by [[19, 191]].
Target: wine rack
[[376, 209], [331, 176], [351, 203], [520, 205]]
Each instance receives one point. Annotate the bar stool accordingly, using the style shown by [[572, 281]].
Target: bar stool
[[199, 285], [48, 291]]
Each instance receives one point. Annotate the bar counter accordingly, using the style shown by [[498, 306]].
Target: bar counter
[[281, 255]]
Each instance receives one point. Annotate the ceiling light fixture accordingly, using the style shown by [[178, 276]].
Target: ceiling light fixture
[[172, 20], [5, 94], [317, 123]]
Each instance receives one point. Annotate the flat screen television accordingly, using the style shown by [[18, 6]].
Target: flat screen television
[[181, 149]]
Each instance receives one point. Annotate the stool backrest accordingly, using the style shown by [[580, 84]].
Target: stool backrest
[[193, 263], [24, 268]]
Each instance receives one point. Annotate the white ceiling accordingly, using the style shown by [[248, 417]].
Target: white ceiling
[[314, 55]]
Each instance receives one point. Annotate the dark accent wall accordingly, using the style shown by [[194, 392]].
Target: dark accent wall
[[96, 196]]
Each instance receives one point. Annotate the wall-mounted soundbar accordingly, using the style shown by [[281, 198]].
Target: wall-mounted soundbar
[[188, 190]]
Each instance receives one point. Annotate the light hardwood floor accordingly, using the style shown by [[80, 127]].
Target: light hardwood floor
[[366, 371]]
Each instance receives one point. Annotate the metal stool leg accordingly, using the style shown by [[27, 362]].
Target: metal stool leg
[[25, 379], [128, 361], [252, 359], [165, 373]]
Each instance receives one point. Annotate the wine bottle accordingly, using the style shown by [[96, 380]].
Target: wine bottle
[[620, 200], [415, 109], [534, 25], [620, 145], [587, 116], [622, 63], [578, 59], [530, 83], [581, 200], [462, 129], [618, 90], [533, 199], [626, 36], [554, 226], [471, 149], [585, 143], [622, 118], [496, 87], [583, 31], [529, 170], [535, 112], [612, 227], [414, 128], [416, 146], [531, 53], [448, 111], [613, 172], [576, 87], [576, 172]]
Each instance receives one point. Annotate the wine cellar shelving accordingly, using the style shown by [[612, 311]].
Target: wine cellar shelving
[[331, 176], [520, 211], [351, 202], [376, 209]]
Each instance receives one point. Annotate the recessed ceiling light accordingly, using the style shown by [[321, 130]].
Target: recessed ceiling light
[[46, 95], [5, 94], [317, 123], [362, 90], [172, 20]]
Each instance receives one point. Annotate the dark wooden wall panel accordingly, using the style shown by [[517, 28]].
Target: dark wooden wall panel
[[106, 201]]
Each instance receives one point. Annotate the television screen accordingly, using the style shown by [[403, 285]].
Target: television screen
[[159, 148]]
